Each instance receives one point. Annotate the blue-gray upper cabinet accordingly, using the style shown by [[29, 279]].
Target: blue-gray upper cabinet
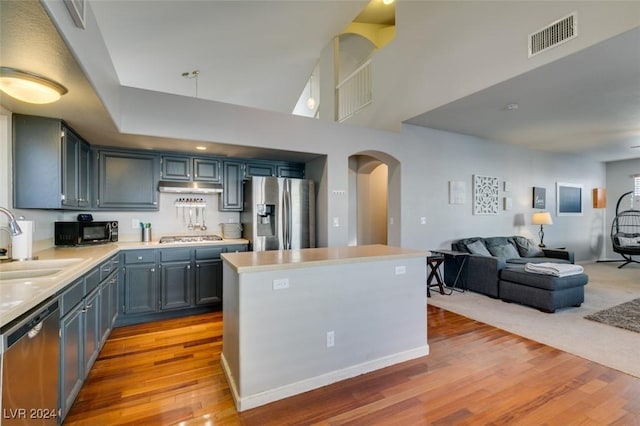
[[176, 168], [232, 197], [51, 165], [127, 180], [259, 168], [206, 170], [199, 169], [273, 168], [292, 170]]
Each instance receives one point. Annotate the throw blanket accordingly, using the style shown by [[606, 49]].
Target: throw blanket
[[556, 269]]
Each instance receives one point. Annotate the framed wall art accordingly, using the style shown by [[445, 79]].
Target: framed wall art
[[457, 192], [539, 198], [485, 195], [568, 199]]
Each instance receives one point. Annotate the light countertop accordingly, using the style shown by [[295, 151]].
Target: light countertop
[[18, 296], [274, 259]]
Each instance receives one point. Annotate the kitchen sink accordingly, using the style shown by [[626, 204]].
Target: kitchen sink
[[35, 273], [34, 268]]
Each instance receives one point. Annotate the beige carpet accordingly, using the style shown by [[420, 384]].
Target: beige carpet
[[567, 329]]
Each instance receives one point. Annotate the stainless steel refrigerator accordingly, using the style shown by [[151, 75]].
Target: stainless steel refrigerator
[[279, 213]]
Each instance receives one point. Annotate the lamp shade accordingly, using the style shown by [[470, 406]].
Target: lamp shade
[[542, 218]]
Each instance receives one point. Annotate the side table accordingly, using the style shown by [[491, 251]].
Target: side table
[[460, 258]]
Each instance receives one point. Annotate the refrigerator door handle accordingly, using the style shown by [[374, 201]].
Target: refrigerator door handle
[[287, 220]]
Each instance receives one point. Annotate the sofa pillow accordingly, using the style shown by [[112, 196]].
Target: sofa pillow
[[477, 247], [506, 251], [527, 248]]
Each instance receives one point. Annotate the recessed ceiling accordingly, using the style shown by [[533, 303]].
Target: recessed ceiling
[[586, 102]]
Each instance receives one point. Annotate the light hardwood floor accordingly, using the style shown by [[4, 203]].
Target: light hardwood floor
[[169, 372]]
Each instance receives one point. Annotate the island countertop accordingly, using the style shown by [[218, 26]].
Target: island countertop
[[333, 313], [283, 259]]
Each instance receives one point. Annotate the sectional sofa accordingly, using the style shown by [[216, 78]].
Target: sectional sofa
[[490, 255]]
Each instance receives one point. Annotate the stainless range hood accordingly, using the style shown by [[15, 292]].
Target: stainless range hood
[[189, 187]]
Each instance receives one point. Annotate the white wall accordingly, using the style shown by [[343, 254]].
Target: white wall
[[619, 181], [455, 48]]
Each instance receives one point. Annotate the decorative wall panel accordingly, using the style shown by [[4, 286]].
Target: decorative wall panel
[[485, 194]]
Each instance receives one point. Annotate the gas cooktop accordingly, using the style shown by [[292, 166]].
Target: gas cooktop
[[189, 239]]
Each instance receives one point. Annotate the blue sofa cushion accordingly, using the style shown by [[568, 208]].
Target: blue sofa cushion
[[504, 251], [527, 248], [477, 247]]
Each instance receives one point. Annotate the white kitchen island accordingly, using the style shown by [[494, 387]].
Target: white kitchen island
[[297, 320]]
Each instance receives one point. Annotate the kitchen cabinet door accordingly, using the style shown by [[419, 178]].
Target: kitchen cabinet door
[[208, 282], [71, 357], [176, 284], [127, 180], [257, 168], [231, 198], [206, 170], [176, 168], [113, 298], [91, 311], [105, 310], [70, 152], [84, 175], [50, 165], [291, 171], [140, 295]]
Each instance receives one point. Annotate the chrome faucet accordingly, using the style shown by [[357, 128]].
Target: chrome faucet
[[14, 229]]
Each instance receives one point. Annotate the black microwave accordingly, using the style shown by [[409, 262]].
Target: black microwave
[[85, 233]]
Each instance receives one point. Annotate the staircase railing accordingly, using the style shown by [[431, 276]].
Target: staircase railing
[[354, 92]]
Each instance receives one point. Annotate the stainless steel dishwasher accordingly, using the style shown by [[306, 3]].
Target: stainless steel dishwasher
[[30, 362]]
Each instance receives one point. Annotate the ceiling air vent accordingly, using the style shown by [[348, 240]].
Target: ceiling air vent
[[552, 35]]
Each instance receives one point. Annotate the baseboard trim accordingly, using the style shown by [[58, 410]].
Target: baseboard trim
[[251, 401]]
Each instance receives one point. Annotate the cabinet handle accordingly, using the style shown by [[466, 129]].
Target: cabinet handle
[[139, 257], [197, 265], [188, 266], [152, 269]]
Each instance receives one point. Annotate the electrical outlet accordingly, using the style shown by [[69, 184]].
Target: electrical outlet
[[336, 222], [281, 283], [400, 270], [135, 223], [423, 220], [331, 339]]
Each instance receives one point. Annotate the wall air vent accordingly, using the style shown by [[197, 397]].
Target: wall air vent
[[553, 35]]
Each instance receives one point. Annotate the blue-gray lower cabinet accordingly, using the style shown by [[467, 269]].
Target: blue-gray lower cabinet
[[163, 283], [208, 282], [84, 327], [141, 290], [176, 285], [71, 357]]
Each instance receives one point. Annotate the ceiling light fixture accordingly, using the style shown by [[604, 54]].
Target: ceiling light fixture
[[311, 103], [387, 2], [201, 148], [28, 87], [193, 74]]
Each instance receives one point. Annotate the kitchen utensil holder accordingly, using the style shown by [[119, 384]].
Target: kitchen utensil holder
[[146, 235]]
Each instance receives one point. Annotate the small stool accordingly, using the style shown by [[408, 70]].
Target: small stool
[[434, 263]]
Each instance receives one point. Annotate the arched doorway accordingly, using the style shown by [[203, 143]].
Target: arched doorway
[[369, 182]]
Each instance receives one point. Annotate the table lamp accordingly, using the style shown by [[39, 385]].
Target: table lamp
[[541, 218]]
